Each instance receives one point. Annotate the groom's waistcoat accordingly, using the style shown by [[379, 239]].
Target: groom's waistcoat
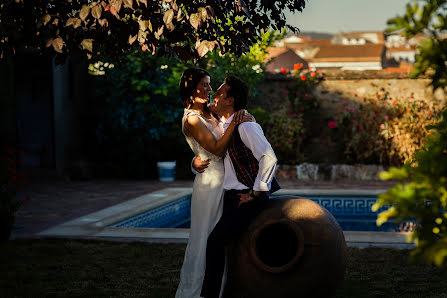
[[245, 164]]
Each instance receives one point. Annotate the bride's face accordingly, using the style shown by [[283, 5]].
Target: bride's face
[[203, 90]]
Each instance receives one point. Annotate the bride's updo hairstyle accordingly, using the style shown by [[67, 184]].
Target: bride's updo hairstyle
[[188, 84]]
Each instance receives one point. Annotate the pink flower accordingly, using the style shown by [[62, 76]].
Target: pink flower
[[352, 110], [313, 74], [386, 117], [382, 126], [332, 124]]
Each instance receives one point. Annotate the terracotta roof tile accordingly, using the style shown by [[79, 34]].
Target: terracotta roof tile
[[337, 52], [286, 59]]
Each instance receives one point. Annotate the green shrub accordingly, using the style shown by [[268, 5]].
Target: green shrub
[[421, 195], [141, 123], [285, 123], [382, 130]]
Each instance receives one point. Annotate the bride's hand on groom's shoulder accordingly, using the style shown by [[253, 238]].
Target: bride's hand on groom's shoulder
[[200, 165], [242, 116]]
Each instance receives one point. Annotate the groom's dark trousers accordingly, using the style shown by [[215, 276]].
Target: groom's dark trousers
[[234, 220]]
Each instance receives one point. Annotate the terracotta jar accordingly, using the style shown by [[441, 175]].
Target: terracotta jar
[[293, 248]]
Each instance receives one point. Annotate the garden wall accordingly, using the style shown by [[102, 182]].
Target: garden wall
[[341, 89]]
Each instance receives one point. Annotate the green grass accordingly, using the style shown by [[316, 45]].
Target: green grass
[[90, 268]]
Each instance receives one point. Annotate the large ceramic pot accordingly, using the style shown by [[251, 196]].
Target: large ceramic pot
[[6, 224], [294, 248]]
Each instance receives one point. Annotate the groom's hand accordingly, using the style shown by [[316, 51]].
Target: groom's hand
[[245, 198], [200, 165]]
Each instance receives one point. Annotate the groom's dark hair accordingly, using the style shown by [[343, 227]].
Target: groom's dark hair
[[238, 90]]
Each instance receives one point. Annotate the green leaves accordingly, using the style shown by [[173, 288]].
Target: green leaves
[[430, 20], [171, 27], [421, 195]]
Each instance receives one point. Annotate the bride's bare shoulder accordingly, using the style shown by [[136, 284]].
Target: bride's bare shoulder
[[192, 120]]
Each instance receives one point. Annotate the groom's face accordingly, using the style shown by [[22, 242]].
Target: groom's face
[[221, 102]]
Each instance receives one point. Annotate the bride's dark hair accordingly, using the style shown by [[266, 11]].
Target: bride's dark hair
[[188, 84]]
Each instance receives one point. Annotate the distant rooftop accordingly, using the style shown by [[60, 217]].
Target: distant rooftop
[[338, 52]]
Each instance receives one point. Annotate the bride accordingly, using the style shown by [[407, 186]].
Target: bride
[[207, 141]]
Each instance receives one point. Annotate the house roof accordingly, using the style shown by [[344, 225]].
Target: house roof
[[337, 52], [285, 59], [400, 49], [320, 42], [363, 34], [275, 51]]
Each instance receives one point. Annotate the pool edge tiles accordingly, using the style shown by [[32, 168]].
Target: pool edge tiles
[[98, 224]]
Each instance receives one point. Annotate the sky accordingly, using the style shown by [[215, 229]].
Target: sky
[[333, 16]]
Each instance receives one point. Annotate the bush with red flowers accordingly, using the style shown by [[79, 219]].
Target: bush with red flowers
[[382, 130], [285, 124]]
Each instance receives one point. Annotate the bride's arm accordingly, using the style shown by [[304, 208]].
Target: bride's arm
[[198, 130]]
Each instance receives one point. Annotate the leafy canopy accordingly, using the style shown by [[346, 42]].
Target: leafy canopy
[[427, 17], [421, 193], [186, 29]]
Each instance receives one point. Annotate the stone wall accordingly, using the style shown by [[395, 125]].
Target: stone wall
[[334, 172], [341, 87]]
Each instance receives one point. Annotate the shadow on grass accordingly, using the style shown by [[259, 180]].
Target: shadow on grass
[[90, 268]]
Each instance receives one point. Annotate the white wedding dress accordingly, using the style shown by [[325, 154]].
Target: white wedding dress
[[206, 210]]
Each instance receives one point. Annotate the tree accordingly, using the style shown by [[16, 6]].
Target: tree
[[186, 29], [431, 20], [421, 191]]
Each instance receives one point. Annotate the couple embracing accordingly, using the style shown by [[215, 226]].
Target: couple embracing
[[234, 168]]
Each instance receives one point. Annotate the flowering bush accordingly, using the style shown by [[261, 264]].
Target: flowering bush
[[285, 125], [421, 195], [382, 130], [12, 182]]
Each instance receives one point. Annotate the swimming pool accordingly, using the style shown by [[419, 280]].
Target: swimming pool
[[113, 222], [353, 213]]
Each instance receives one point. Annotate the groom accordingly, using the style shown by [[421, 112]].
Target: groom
[[249, 167]]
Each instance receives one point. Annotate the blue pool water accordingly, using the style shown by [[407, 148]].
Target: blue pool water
[[353, 213]]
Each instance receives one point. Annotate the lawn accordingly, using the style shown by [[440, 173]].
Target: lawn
[[91, 268]]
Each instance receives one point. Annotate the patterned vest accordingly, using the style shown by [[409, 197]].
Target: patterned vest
[[245, 164]]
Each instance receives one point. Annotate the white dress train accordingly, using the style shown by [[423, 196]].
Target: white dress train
[[206, 210]]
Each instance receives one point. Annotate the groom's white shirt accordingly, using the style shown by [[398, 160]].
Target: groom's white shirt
[[253, 137]]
